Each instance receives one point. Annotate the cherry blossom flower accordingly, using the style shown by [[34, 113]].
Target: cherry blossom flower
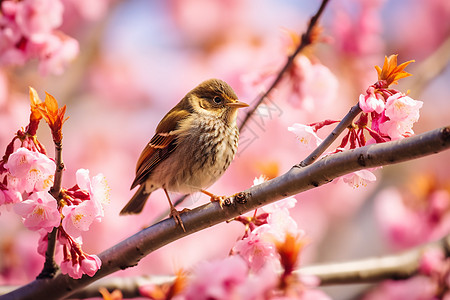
[[33, 170], [29, 30], [40, 211], [72, 269], [217, 279], [97, 187], [359, 178], [408, 219], [56, 53], [90, 265], [8, 196], [310, 83], [306, 135], [371, 102], [402, 112], [432, 262], [38, 18], [43, 242], [78, 218], [75, 261], [256, 249], [418, 287], [259, 285]]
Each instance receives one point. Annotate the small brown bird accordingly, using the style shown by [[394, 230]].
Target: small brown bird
[[192, 147]]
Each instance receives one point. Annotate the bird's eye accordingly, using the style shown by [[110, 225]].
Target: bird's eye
[[217, 100]]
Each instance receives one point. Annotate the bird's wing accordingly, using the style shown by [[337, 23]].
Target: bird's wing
[[160, 146]]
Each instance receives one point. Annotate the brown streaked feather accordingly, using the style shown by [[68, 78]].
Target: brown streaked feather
[[162, 143]]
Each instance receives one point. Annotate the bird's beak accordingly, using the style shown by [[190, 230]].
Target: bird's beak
[[237, 104]]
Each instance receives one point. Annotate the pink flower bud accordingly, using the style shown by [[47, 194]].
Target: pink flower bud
[[90, 265]]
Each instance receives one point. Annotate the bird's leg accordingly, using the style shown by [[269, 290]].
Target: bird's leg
[[214, 198], [174, 213]]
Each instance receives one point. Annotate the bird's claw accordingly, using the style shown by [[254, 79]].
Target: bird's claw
[[220, 199], [175, 214]]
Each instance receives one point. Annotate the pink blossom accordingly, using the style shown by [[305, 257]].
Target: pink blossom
[[371, 102], [91, 11], [43, 242], [432, 262], [39, 211], [281, 223], [402, 112], [256, 249], [415, 288], [78, 218], [28, 29], [408, 224], [311, 84], [259, 285], [10, 33], [90, 264], [9, 196], [359, 178], [217, 279], [34, 171], [97, 187], [72, 269], [403, 227], [38, 18], [306, 135], [56, 52]]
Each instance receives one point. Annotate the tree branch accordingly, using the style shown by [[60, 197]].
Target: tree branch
[[50, 266], [130, 251], [345, 122], [398, 266]]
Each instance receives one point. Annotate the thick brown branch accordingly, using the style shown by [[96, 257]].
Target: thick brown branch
[[130, 251]]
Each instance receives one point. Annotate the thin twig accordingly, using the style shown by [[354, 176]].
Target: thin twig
[[305, 41], [50, 266], [345, 123], [129, 252]]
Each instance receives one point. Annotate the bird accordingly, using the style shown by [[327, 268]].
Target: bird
[[193, 145]]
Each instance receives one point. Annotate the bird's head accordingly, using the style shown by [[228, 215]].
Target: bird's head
[[215, 97]]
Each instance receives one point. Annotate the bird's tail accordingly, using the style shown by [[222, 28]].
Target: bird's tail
[[137, 202]]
